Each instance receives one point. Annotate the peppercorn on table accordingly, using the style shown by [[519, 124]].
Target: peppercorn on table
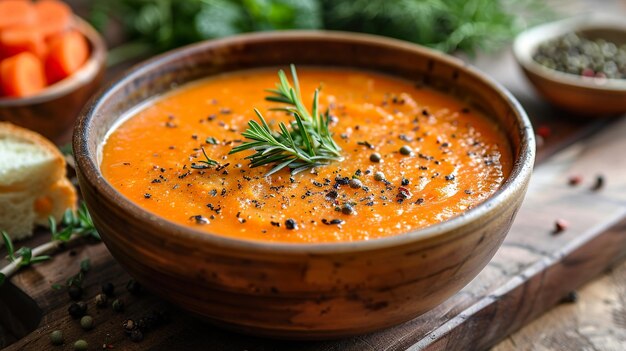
[[569, 229]]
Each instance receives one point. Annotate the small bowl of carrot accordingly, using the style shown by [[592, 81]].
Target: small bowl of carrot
[[51, 62]]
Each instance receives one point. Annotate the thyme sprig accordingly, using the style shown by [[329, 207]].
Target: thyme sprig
[[305, 143], [75, 225]]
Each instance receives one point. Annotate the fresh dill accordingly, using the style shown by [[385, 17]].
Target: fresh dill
[[304, 143]]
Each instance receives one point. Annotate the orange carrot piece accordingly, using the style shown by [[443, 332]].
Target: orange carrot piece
[[53, 16], [22, 75], [67, 53], [16, 12], [18, 39]]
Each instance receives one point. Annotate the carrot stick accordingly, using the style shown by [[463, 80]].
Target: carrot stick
[[16, 12], [18, 39], [67, 53], [53, 16], [22, 75]]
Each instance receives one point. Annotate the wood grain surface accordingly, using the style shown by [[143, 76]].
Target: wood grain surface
[[597, 322], [530, 274]]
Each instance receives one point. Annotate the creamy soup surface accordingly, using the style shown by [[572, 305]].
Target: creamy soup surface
[[458, 158]]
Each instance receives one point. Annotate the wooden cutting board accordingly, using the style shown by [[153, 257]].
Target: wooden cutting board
[[532, 271]]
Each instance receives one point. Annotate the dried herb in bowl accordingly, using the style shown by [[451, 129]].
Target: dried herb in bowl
[[572, 53]]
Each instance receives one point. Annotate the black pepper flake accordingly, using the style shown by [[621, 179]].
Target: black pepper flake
[[469, 192], [147, 195], [199, 219], [331, 195], [170, 124], [342, 180], [335, 221], [599, 184], [405, 181], [225, 111], [317, 184], [403, 193], [275, 224], [425, 112], [366, 144], [355, 183], [211, 117], [419, 201], [291, 224], [450, 177], [347, 209]]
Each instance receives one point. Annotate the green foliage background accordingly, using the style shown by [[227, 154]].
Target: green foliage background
[[447, 25]]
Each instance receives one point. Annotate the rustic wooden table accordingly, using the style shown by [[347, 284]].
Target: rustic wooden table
[[528, 276]]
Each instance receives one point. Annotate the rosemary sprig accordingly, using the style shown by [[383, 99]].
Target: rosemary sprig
[[75, 225], [206, 163], [305, 143]]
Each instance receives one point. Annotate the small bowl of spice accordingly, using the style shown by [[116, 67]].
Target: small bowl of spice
[[578, 64]]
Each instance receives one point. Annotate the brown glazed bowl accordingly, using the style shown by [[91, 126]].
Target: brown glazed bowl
[[303, 291], [53, 111], [580, 95]]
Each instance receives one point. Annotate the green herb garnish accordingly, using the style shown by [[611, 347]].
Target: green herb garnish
[[204, 164], [305, 143], [75, 225]]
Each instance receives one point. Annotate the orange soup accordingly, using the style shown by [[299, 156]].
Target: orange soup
[[412, 157]]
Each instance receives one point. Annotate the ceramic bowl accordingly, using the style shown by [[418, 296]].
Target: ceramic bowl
[[580, 95], [53, 112], [305, 291]]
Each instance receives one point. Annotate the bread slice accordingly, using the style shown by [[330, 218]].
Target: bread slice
[[33, 185], [28, 161]]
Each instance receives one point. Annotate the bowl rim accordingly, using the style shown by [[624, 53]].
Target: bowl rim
[[84, 75], [512, 188], [526, 43]]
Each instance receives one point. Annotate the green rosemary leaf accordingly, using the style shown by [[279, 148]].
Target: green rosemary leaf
[[26, 254], [279, 167], [8, 243], [40, 258], [212, 141], [53, 225], [68, 217], [303, 143], [207, 160], [3, 278]]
